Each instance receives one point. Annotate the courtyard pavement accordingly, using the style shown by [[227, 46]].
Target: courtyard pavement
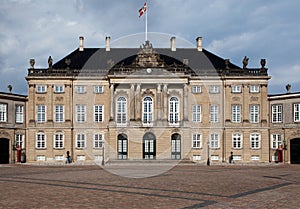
[[183, 186]]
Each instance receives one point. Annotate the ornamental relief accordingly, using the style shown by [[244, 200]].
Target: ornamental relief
[[59, 99], [148, 92], [41, 99], [236, 99], [4, 134], [254, 99], [174, 93]]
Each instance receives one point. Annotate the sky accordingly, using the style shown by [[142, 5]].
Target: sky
[[232, 29]]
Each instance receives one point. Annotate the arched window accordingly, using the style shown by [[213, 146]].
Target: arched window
[[121, 111], [174, 110], [147, 110]]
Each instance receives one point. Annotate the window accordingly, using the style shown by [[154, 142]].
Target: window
[[236, 113], [255, 157], [296, 112], [40, 141], [41, 158], [236, 89], [276, 141], [98, 89], [41, 89], [58, 141], [196, 89], [147, 110], [80, 141], [254, 113], [3, 112], [19, 140], [214, 113], [80, 113], [58, 89], [80, 89], [59, 113], [196, 141], [255, 141], [80, 157], [41, 113], [19, 113], [98, 113], [237, 141], [121, 111], [214, 141], [196, 110], [276, 113], [59, 157], [214, 89], [254, 89], [98, 141], [174, 110]]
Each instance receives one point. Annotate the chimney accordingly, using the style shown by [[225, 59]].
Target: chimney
[[173, 44], [199, 44], [107, 43], [81, 43]]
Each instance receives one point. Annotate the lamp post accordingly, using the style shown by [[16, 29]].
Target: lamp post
[[208, 160]]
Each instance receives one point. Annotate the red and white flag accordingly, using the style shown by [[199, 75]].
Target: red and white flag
[[143, 9]]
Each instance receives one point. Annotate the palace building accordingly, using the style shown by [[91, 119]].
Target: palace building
[[147, 103]]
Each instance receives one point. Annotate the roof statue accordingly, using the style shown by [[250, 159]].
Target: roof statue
[[245, 62], [263, 63], [50, 62]]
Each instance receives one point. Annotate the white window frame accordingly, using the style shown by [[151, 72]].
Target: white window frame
[[236, 89], [98, 140], [80, 89], [197, 113], [254, 113], [276, 141], [20, 140], [214, 89], [214, 141], [297, 112], [3, 112], [41, 141], [214, 113], [58, 140], [174, 113], [121, 111], [19, 113], [80, 141], [98, 89], [276, 113], [41, 89], [59, 113], [147, 110], [196, 89], [41, 113], [197, 141], [80, 113], [59, 89], [255, 142], [98, 113], [254, 88], [236, 113], [237, 141]]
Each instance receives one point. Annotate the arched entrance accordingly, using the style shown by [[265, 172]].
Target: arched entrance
[[295, 151], [176, 147], [149, 146], [122, 146], [4, 151]]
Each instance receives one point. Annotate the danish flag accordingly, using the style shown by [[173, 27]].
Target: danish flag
[[143, 9]]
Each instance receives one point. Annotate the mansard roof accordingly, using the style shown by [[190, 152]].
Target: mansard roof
[[188, 60]]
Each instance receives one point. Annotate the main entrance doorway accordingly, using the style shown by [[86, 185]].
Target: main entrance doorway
[[149, 146], [122, 146], [176, 147], [4, 151], [295, 151]]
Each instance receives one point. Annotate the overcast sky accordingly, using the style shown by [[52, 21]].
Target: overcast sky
[[232, 29]]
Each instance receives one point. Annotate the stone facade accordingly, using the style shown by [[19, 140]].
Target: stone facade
[[148, 103], [12, 126]]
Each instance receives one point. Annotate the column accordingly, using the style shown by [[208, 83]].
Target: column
[[159, 107], [185, 102], [132, 102], [138, 102], [112, 102], [165, 96]]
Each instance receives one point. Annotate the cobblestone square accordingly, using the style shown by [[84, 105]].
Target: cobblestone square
[[184, 186]]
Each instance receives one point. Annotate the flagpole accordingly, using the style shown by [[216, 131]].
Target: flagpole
[[146, 22]]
